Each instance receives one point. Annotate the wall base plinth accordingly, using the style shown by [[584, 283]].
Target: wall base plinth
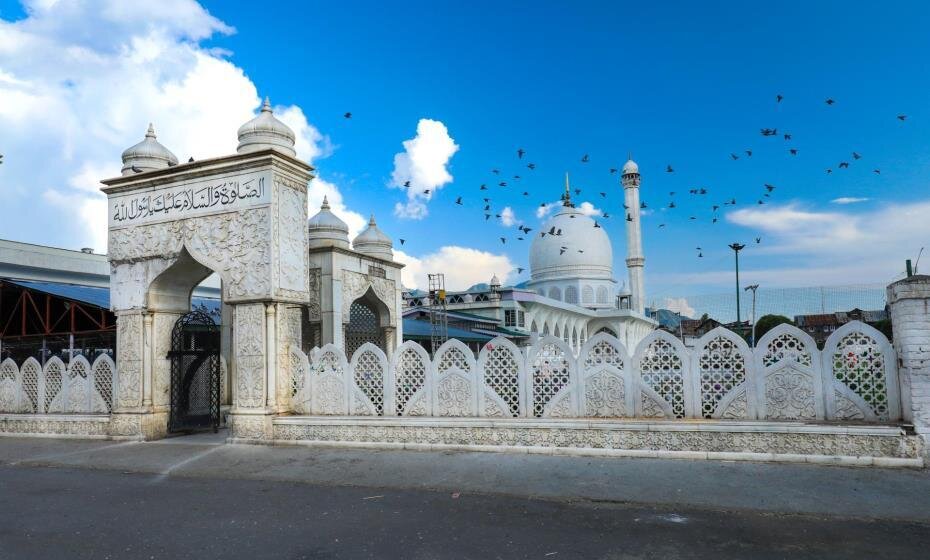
[[251, 427], [884, 446], [85, 426], [145, 426]]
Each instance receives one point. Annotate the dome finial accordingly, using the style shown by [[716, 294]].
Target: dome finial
[[150, 133], [266, 105], [567, 196], [371, 221], [325, 205]]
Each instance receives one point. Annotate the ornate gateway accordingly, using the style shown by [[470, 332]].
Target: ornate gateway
[[195, 373]]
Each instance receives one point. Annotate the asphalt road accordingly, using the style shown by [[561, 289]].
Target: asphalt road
[[198, 497], [56, 513]]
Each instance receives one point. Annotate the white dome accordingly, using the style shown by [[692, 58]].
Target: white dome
[[374, 242], [630, 167], [266, 131], [580, 251], [495, 282], [327, 230], [147, 155]]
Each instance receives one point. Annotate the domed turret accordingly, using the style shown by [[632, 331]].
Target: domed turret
[[266, 131], [374, 242], [327, 230], [495, 282], [630, 167], [147, 155]]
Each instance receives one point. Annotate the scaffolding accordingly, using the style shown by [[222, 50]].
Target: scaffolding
[[438, 319]]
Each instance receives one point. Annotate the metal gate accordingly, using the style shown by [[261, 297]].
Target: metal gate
[[195, 374]]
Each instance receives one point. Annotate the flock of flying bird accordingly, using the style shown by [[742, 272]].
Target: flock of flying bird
[[502, 181]]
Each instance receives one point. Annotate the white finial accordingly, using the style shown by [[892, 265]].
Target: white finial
[[371, 222], [150, 133], [325, 205], [266, 106]]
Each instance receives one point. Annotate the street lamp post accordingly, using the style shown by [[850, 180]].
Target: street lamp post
[[737, 247], [753, 287]]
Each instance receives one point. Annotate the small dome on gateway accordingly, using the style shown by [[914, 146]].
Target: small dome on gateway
[[495, 282], [147, 155], [327, 230], [374, 242], [266, 131]]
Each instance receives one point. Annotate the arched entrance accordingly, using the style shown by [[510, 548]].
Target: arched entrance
[[195, 373], [367, 318]]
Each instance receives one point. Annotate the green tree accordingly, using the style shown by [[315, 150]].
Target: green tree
[[769, 322]]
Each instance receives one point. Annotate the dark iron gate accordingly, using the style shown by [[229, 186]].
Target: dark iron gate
[[195, 373]]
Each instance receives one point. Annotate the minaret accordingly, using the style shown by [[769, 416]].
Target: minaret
[[634, 236]]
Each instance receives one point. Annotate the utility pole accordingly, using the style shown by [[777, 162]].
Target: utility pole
[[753, 287], [737, 247]]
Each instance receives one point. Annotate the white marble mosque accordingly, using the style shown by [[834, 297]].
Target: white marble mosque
[[310, 349]]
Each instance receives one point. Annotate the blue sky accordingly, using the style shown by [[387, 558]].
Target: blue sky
[[675, 83]]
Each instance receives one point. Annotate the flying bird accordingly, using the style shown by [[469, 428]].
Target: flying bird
[[496, 171], [613, 170], [758, 240], [787, 136], [748, 153], [856, 156], [458, 201], [768, 131], [503, 240], [793, 151], [902, 117], [348, 115], [191, 160], [402, 241], [769, 187], [734, 156], [877, 171], [843, 165], [668, 169], [406, 184], [519, 270], [531, 165], [778, 98], [520, 152], [484, 187], [585, 159], [829, 101]]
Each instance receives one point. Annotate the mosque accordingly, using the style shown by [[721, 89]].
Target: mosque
[[571, 294]]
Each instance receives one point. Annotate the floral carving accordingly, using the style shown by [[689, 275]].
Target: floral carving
[[455, 395], [605, 396], [316, 293], [789, 395]]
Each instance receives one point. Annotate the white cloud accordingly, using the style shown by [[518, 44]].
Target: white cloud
[[462, 266], [813, 247], [679, 305], [544, 210], [508, 218], [849, 200], [424, 165], [589, 209], [80, 83]]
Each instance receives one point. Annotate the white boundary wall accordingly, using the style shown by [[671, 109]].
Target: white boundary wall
[[785, 378]]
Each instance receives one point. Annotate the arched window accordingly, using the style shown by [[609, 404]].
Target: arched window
[[455, 299], [541, 292], [555, 333], [481, 297], [602, 294], [545, 329], [587, 294], [606, 330], [571, 294], [555, 293], [533, 327]]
